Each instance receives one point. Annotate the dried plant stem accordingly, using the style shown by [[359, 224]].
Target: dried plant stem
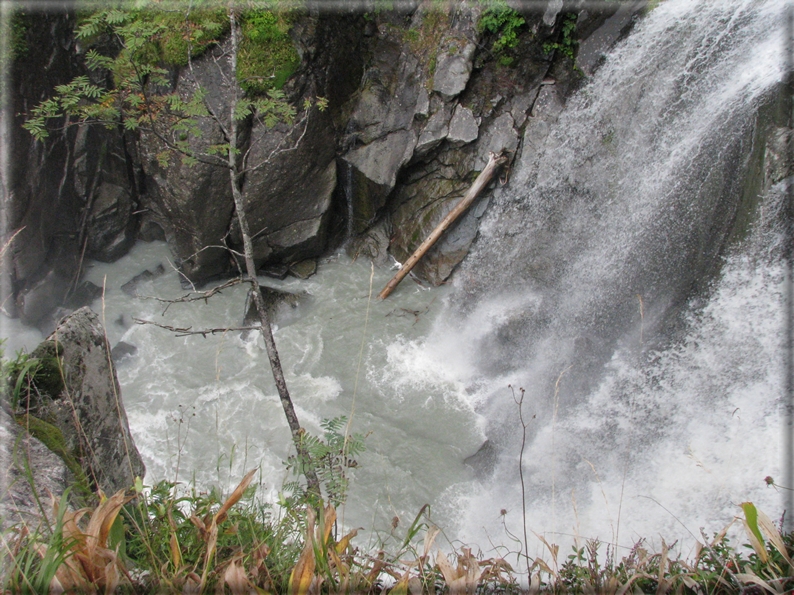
[[520, 402]]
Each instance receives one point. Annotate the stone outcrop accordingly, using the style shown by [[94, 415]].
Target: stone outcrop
[[70, 430], [413, 158], [89, 410], [73, 195]]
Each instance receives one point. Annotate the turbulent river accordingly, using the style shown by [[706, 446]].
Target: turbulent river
[[652, 409]]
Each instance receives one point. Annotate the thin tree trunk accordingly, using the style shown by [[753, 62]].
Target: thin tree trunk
[[495, 161], [250, 270]]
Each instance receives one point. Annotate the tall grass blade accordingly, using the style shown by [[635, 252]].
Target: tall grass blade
[[750, 523]]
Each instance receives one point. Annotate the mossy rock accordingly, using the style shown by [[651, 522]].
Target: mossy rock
[[49, 375], [52, 437], [267, 55], [34, 379]]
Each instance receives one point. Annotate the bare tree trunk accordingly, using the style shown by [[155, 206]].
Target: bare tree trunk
[[250, 270], [494, 162]]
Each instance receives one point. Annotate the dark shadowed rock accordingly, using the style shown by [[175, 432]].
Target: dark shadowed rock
[[279, 305], [288, 202], [303, 269], [39, 299], [483, 461], [193, 203], [131, 286], [275, 271], [83, 295], [122, 350]]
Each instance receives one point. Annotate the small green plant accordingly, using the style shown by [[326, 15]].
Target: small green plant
[[32, 558], [333, 456], [504, 23], [567, 43], [30, 379]]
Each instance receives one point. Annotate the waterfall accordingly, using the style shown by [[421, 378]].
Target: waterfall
[[628, 279], [612, 284]]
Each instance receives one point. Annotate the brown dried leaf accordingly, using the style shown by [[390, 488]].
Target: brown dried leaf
[[236, 578], [192, 584], [300, 579], [104, 516], [768, 527], [329, 515], [749, 577], [342, 544], [234, 497], [449, 573], [430, 537]]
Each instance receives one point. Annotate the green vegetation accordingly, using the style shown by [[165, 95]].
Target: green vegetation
[[29, 379], [16, 36], [504, 24], [136, 47], [29, 383], [332, 456], [567, 43], [267, 54], [168, 539]]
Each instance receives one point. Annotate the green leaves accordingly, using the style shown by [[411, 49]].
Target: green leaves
[[332, 455], [504, 22], [567, 44]]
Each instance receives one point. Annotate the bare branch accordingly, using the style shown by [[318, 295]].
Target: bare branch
[[195, 297], [278, 150], [188, 330]]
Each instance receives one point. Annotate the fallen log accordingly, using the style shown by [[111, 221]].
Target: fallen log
[[495, 161]]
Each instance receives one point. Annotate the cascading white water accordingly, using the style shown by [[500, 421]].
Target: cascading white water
[[658, 421], [648, 423]]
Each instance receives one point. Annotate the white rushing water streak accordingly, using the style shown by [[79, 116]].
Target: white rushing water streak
[[667, 443]]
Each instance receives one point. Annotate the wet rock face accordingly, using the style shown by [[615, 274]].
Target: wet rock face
[[415, 103], [288, 202], [89, 412], [44, 208], [419, 136], [291, 169], [104, 176]]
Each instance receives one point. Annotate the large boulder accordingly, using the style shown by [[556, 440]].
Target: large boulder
[[88, 410], [288, 201]]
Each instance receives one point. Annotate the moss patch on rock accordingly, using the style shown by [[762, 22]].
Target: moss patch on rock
[[267, 53], [52, 437]]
